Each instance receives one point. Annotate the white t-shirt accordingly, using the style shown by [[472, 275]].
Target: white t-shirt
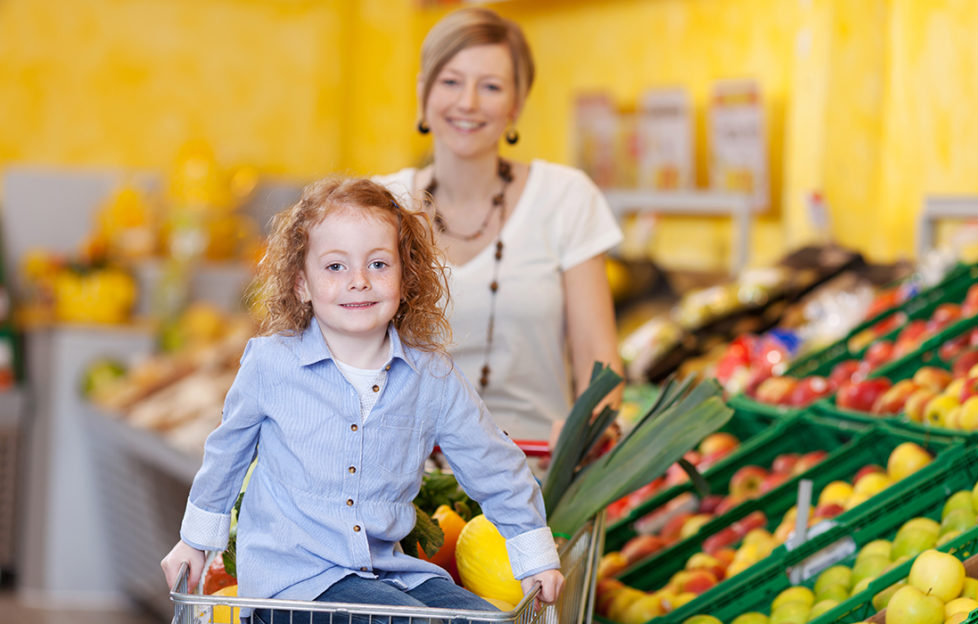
[[560, 220]]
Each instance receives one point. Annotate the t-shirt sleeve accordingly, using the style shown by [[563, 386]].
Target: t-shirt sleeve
[[586, 224]]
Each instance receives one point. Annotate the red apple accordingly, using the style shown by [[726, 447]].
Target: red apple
[[710, 563], [969, 389], [753, 520], [828, 510], [728, 503], [892, 401], [878, 353], [809, 460], [776, 390], [720, 540], [746, 482], [698, 581], [910, 337], [867, 469], [969, 307], [718, 442], [932, 377], [773, 480], [785, 463], [809, 389], [670, 531], [861, 395], [710, 503], [944, 315], [953, 347], [916, 403], [843, 372], [964, 363], [641, 547]]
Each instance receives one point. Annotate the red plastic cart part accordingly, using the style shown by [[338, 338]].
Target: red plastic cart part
[[532, 448]]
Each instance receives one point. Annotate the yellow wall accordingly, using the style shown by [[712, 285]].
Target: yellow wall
[[870, 102]]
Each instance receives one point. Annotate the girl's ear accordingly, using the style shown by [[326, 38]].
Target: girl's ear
[[302, 288]]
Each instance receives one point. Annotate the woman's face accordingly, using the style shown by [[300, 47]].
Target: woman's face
[[473, 100]]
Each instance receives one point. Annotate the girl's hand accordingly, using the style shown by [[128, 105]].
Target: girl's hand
[[551, 582], [180, 553]]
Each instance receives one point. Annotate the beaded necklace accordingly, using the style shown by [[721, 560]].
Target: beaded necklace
[[498, 205]]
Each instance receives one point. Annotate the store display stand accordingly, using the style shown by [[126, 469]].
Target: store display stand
[[739, 207], [940, 208]]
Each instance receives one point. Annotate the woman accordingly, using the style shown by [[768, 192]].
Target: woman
[[531, 309]]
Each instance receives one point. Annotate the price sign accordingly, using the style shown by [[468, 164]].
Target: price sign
[[596, 121], [738, 149], [665, 140]]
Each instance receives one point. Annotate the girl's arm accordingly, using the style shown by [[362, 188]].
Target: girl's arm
[[551, 582], [181, 553]]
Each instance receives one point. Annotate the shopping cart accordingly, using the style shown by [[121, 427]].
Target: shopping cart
[[578, 562]]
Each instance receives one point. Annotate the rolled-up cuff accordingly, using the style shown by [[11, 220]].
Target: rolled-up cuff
[[205, 530], [532, 552]]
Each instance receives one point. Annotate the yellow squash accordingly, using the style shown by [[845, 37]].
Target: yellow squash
[[483, 563]]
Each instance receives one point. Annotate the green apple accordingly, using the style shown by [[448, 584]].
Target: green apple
[[797, 593], [881, 599], [909, 605], [702, 619], [861, 585], [875, 547], [911, 541], [834, 575], [791, 612], [958, 520], [947, 537], [751, 617], [835, 591], [959, 500], [921, 522], [869, 567], [822, 606]]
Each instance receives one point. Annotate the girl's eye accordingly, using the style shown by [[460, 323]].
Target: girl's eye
[[378, 264], [336, 266]]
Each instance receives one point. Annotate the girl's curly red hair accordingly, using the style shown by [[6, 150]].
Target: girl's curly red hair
[[420, 319]]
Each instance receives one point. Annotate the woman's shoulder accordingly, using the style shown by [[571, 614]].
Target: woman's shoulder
[[557, 172], [400, 183]]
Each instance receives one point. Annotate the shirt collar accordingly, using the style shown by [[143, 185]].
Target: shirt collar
[[312, 347]]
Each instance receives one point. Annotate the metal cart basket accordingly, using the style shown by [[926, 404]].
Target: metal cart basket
[[578, 561]]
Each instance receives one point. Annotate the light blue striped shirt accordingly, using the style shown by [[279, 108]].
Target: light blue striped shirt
[[332, 494]]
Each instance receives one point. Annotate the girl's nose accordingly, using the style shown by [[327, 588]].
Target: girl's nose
[[358, 281]]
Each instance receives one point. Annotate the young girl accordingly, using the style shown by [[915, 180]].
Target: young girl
[[342, 397]]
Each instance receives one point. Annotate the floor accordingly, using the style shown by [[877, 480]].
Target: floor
[[13, 610]]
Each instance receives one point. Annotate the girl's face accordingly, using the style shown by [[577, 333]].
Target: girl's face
[[352, 274], [473, 99]]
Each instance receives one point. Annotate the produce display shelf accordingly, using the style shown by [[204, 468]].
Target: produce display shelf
[[951, 289], [753, 430], [904, 368], [872, 446], [921, 494]]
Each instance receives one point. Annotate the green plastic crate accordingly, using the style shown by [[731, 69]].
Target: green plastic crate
[[872, 446], [904, 368], [921, 494], [951, 289], [761, 441]]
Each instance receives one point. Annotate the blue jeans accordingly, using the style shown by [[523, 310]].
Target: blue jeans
[[437, 592]]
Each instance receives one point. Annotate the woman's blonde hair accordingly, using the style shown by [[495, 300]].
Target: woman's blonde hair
[[420, 319], [468, 27]]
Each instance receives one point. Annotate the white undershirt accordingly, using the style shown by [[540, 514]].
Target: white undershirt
[[365, 380]]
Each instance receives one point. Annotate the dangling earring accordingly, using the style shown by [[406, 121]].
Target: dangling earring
[[423, 127], [512, 136]]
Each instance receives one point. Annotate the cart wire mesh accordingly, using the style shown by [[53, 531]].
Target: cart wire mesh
[[578, 560]]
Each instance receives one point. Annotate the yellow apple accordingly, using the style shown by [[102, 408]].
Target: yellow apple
[[751, 617], [835, 492], [622, 601], [873, 483], [791, 611], [970, 589], [959, 500], [702, 619], [937, 409], [821, 607], [834, 575], [958, 520], [938, 574], [882, 598], [875, 547], [909, 605], [957, 618], [642, 610], [968, 416], [906, 459], [960, 605]]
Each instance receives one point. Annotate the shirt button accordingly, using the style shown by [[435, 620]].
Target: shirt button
[[363, 568], [349, 502], [376, 388], [388, 367], [356, 528], [352, 469], [353, 427]]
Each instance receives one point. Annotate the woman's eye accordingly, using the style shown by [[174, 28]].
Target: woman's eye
[[449, 82], [493, 87]]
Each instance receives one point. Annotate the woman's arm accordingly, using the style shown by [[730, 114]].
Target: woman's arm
[[591, 332]]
